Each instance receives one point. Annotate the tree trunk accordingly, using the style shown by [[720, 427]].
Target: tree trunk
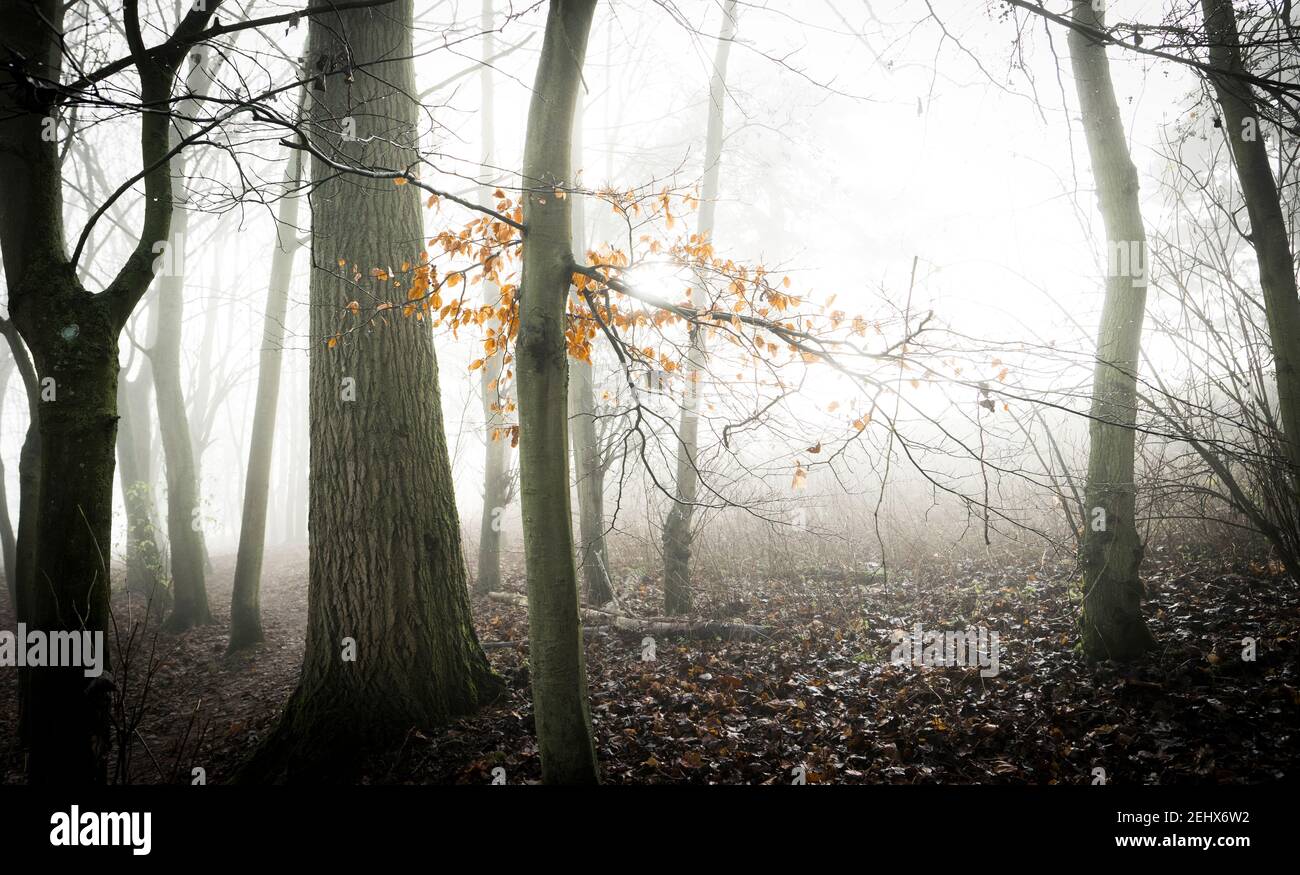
[[590, 470], [496, 452], [390, 644], [245, 599], [184, 522], [1268, 231], [556, 654], [589, 467], [677, 536], [72, 335], [29, 483], [146, 571], [1112, 622]]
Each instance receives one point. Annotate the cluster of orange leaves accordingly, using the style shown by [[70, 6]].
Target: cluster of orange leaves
[[487, 249]]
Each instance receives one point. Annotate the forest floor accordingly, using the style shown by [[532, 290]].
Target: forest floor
[[819, 697]]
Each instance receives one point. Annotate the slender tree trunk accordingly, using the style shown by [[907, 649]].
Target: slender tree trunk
[[590, 470], [1112, 622], [555, 628], [1268, 230], [589, 467], [677, 536], [184, 522], [146, 571], [245, 609], [200, 410], [496, 452], [390, 643]]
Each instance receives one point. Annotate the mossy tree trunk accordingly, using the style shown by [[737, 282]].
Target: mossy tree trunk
[[72, 335], [555, 628], [1112, 623]]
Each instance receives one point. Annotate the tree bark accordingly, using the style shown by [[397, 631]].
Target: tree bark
[[388, 583], [677, 535], [1268, 231], [1112, 623], [184, 523], [245, 599], [556, 653], [72, 335]]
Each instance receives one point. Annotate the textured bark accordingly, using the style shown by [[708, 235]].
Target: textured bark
[[245, 599], [184, 525], [72, 335], [496, 451], [555, 652], [1111, 553], [588, 465], [386, 567], [677, 535], [1268, 230]]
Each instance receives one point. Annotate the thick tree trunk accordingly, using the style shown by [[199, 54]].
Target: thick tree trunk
[[1112, 622], [73, 341], [390, 644], [184, 522], [496, 451], [245, 599], [677, 535], [1268, 231], [556, 652], [67, 729], [72, 335]]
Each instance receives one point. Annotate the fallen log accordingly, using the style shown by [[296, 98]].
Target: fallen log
[[696, 630]]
